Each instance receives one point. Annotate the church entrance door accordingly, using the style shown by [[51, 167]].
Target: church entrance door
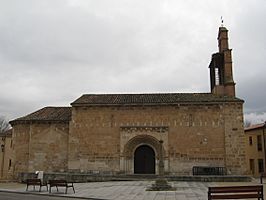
[[144, 160]]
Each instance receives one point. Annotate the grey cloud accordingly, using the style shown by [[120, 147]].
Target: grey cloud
[[53, 51]]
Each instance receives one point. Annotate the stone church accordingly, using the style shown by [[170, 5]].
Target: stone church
[[139, 133]]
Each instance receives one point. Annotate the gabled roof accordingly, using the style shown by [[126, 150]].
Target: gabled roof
[[46, 114], [255, 126], [150, 99]]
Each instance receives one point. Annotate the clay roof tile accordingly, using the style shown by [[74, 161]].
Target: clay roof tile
[[150, 99], [48, 114]]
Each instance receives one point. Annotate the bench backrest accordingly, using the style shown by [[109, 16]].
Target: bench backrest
[[236, 192], [33, 181], [251, 188], [57, 182]]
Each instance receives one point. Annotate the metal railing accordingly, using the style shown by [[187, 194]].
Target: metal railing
[[205, 170]]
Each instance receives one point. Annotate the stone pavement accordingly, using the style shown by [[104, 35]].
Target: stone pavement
[[130, 190]]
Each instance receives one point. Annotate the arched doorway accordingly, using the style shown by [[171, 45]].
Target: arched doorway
[[144, 160]]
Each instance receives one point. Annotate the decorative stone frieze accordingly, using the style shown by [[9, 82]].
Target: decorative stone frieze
[[158, 129]]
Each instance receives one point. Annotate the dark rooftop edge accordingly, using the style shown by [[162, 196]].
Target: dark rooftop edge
[[151, 99], [46, 114]]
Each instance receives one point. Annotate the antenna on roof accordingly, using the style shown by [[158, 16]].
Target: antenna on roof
[[222, 21]]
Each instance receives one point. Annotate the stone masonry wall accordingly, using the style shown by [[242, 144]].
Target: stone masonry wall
[[48, 147], [197, 136], [40, 147], [235, 144], [21, 147], [93, 140]]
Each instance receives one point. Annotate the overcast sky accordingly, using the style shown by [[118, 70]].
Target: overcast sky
[[53, 51]]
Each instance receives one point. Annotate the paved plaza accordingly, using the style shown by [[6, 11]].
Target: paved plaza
[[129, 190]]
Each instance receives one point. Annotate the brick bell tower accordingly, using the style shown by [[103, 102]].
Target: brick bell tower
[[221, 73]]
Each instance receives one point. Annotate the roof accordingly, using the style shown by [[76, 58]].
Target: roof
[[255, 126], [150, 99], [46, 114]]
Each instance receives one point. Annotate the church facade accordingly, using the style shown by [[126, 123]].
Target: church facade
[[139, 133]]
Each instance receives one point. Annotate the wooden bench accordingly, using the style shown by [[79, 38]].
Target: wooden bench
[[236, 192], [36, 182], [60, 183]]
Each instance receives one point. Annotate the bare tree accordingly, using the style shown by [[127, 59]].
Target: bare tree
[[247, 123], [4, 125]]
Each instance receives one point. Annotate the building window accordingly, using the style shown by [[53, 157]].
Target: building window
[[259, 143], [251, 166], [261, 166], [9, 165], [217, 76], [250, 140], [190, 120]]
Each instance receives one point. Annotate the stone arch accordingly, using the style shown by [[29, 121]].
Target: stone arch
[[139, 140], [129, 148]]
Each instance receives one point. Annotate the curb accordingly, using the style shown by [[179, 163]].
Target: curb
[[50, 195]]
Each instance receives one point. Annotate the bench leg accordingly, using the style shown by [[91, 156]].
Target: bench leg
[[50, 189], [74, 189], [209, 196], [57, 188], [66, 191], [27, 188]]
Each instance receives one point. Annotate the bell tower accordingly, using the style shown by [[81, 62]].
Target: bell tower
[[221, 74]]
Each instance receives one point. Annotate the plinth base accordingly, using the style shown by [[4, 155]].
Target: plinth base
[[161, 185]]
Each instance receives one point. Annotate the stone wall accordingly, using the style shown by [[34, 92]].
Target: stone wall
[[48, 147], [197, 135], [6, 158], [41, 147], [85, 177], [93, 140], [104, 139], [235, 144], [197, 138], [21, 147]]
